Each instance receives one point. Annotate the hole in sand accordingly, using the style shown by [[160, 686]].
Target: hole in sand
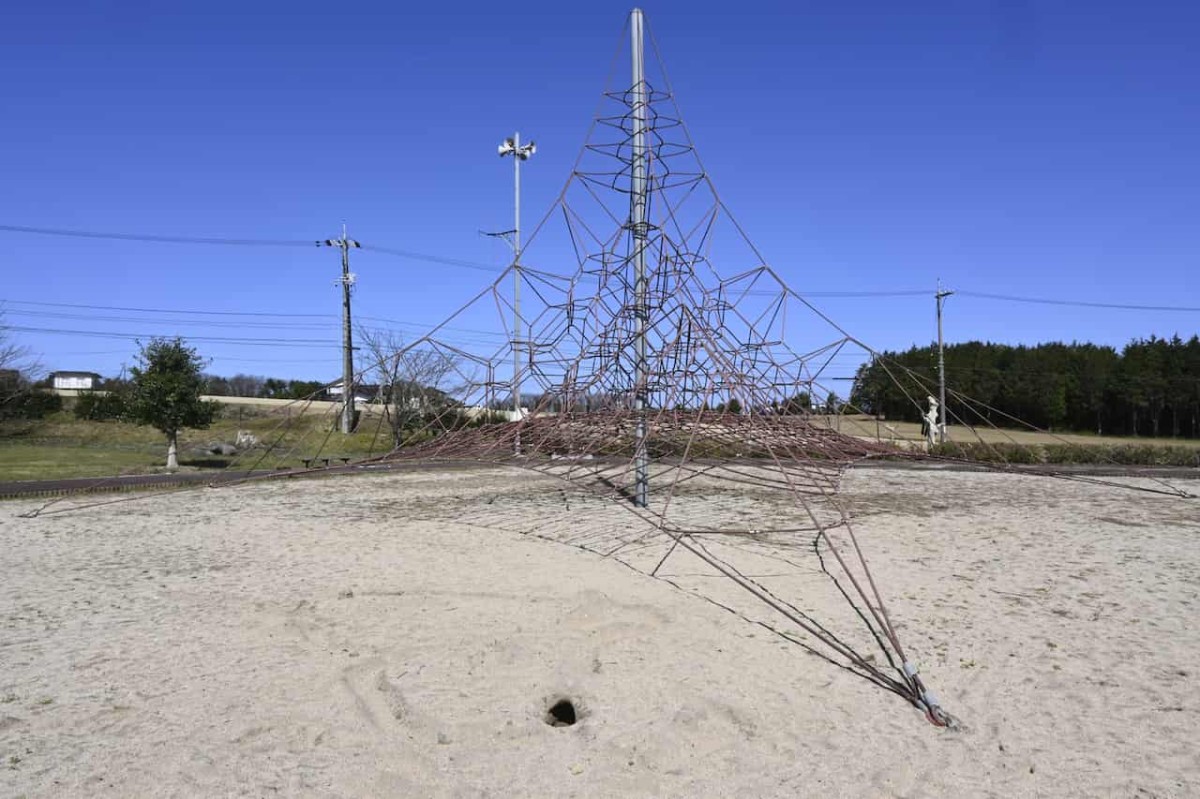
[[561, 713]]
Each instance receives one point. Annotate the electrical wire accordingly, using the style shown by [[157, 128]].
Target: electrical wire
[[279, 325], [834, 294], [165, 310], [144, 237], [1079, 303], [458, 262], [436, 259], [247, 342], [90, 234]]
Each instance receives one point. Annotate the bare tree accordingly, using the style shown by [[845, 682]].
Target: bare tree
[[17, 367], [246, 385], [413, 384], [13, 356]]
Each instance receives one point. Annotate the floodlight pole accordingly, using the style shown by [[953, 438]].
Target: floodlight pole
[[517, 292], [519, 153], [347, 282], [638, 223], [941, 299]]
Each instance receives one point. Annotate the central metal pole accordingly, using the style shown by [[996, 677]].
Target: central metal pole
[[941, 431], [637, 214], [517, 290]]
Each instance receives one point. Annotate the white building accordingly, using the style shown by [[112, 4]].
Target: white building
[[362, 393], [76, 381]]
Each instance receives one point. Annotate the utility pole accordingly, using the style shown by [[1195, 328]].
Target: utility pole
[[638, 223], [520, 152], [347, 282], [941, 299], [878, 401]]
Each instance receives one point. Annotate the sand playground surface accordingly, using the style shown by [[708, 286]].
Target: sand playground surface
[[398, 635]]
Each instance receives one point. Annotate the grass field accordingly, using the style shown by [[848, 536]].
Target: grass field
[[63, 446], [866, 427], [48, 461]]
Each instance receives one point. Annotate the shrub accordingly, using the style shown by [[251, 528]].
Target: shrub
[[1077, 453], [100, 406], [1155, 455], [1063, 454], [32, 404], [988, 453]]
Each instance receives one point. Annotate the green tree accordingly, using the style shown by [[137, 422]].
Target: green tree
[[797, 404], [303, 389], [733, 406], [165, 392], [100, 406], [1151, 387], [273, 388]]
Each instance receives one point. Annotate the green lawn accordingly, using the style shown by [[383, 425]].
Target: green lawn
[[866, 427], [47, 461], [63, 446]]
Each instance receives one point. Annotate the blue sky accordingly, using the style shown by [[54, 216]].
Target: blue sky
[[1028, 148]]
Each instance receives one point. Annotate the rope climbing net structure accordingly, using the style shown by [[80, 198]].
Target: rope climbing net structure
[[653, 378]]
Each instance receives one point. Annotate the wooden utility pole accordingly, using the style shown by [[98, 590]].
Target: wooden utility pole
[[347, 282], [941, 431]]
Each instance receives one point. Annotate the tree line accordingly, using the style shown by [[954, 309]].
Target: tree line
[[1150, 388], [256, 386]]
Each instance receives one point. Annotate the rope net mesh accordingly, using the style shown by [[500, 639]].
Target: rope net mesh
[[667, 381]]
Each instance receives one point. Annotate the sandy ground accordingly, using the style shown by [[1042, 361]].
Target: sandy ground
[[379, 636]]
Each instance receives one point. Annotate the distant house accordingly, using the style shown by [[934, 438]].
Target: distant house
[[363, 393], [77, 381]]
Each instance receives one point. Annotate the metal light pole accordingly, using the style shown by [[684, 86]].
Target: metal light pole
[[347, 282], [637, 223], [941, 299], [520, 152]]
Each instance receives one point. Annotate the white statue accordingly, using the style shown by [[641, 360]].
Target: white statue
[[929, 422]]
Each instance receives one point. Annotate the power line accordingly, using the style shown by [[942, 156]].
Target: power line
[[420, 326], [90, 234], [900, 293], [180, 322], [249, 342], [464, 264], [1079, 303], [273, 361], [436, 259], [473, 337], [423, 327], [265, 342], [165, 310]]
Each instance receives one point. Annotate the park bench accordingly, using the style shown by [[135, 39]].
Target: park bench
[[325, 461]]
